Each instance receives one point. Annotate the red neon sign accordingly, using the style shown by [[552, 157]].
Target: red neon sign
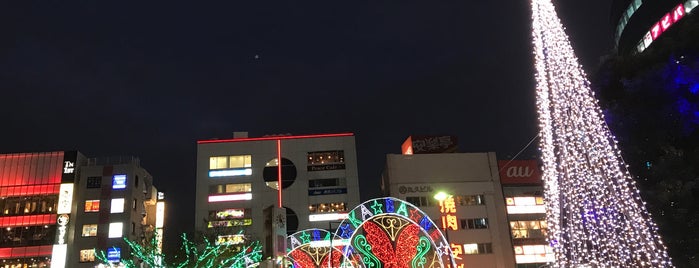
[[448, 209], [666, 21]]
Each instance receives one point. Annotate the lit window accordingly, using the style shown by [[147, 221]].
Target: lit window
[[327, 207], [87, 255], [89, 230], [470, 248], [115, 229], [117, 205], [480, 248], [119, 182], [92, 206], [231, 188], [232, 161]]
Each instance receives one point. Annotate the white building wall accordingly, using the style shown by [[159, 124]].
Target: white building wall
[[458, 174]]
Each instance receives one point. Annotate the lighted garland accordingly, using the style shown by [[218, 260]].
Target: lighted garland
[[594, 211], [392, 233]]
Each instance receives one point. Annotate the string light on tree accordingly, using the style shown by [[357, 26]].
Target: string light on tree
[[594, 210]]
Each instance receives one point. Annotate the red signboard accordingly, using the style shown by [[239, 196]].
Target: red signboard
[[429, 144], [666, 21], [519, 172]]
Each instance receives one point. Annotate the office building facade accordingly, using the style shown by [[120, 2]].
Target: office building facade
[[58, 207], [526, 212], [238, 179], [471, 212]]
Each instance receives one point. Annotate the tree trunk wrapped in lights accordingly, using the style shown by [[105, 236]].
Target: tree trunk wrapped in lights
[[594, 211]]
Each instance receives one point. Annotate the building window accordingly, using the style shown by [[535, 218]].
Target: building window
[[89, 230], [480, 248], [326, 160], [27, 236], [477, 223], [87, 255], [134, 206], [92, 206], [117, 205], [230, 188], [231, 161], [133, 228], [115, 229], [94, 182], [470, 200], [528, 229], [15, 206], [421, 201], [327, 207], [326, 182]]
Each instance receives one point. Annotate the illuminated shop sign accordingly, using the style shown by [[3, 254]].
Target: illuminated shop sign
[[58, 256], [664, 23], [229, 223], [429, 145], [448, 209], [326, 167], [231, 213], [415, 189], [68, 167], [230, 239], [119, 182], [62, 221], [114, 254], [327, 191], [65, 198], [519, 172], [230, 172], [159, 214]]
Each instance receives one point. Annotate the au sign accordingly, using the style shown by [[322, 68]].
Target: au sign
[[519, 172]]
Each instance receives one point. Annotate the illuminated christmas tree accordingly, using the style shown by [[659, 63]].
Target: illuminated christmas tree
[[594, 210]]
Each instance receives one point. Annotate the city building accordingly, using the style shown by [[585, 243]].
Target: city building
[[640, 23], [114, 199], [461, 192], [57, 207], [238, 193], [524, 199]]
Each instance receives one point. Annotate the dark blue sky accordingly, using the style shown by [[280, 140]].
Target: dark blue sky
[[150, 78]]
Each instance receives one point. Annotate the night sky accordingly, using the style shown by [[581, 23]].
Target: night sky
[[149, 79]]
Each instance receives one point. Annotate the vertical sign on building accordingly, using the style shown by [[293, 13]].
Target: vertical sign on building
[[65, 204], [449, 222]]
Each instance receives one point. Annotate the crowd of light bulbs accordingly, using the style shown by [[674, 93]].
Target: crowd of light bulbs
[[594, 211]]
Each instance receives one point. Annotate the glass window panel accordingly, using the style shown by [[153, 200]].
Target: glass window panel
[[115, 229], [89, 230], [470, 248], [117, 205], [218, 162]]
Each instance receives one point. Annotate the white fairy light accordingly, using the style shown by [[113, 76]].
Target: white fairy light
[[595, 213]]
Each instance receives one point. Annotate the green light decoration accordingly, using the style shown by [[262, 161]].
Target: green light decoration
[[423, 247], [206, 255], [377, 207], [361, 244]]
